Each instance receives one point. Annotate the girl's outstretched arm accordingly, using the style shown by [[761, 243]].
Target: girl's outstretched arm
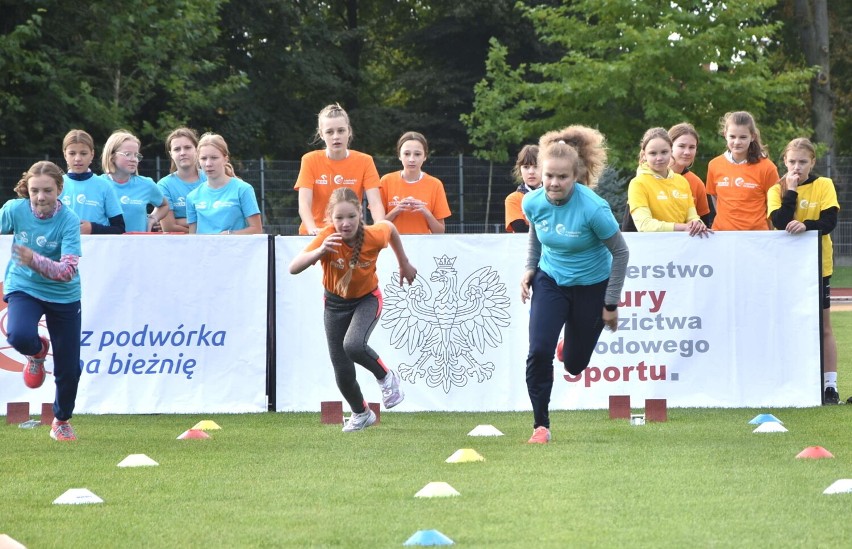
[[407, 271], [306, 258]]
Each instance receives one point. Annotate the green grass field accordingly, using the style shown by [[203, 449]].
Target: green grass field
[[702, 479], [842, 277]]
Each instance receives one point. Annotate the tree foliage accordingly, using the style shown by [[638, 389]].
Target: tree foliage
[[625, 66]]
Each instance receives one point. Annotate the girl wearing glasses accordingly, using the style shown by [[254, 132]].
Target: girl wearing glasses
[[120, 162]]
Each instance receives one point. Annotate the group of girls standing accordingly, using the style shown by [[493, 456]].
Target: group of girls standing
[[745, 191], [748, 195], [200, 195]]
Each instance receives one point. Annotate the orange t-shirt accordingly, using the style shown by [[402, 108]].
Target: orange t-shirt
[[429, 190], [514, 210], [322, 174], [740, 191], [699, 193], [335, 264]]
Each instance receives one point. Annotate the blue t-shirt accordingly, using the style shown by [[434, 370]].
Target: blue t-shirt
[[222, 209], [52, 238], [93, 200], [572, 235], [176, 190], [134, 197]]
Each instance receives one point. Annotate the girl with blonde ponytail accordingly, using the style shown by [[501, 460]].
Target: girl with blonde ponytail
[[348, 249]]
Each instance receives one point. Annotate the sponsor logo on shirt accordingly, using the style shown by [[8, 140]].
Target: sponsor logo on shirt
[[46, 244], [133, 201], [22, 237], [223, 204], [725, 182], [201, 205], [562, 231], [677, 194], [323, 180], [662, 195], [180, 202]]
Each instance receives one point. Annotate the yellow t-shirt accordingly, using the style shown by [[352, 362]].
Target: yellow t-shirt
[[669, 199], [323, 175], [813, 198]]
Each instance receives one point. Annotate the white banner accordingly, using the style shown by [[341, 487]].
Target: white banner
[[729, 321], [171, 324]]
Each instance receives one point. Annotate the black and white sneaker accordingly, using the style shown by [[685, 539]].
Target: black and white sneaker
[[830, 396]]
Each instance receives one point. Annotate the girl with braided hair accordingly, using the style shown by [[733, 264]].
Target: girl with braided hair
[[348, 249]]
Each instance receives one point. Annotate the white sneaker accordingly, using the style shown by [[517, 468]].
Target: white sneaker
[[391, 391], [359, 422]]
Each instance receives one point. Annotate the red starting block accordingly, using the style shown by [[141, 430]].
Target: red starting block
[[619, 406], [332, 412], [655, 409]]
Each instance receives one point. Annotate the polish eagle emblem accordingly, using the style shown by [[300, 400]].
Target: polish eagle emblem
[[443, 328]]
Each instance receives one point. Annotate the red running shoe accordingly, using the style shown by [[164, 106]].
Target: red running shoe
[[34, 370]]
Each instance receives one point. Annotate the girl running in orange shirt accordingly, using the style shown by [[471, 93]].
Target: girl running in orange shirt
[[414, 201], [803, 201], [740, 178], [348, 250], [336, 166]]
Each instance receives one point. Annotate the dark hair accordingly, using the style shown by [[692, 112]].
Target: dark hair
[[756, 149], [527, 156], [412, 136]]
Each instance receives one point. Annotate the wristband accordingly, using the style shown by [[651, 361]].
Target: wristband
[[610, 307]]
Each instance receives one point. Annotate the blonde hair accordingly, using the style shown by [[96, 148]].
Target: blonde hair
[[333, 111], [75, 137], [527, 156], [756, 149], [801, 144], [216, 140], [339, 195], [583, 146], [115, 141], [650, 135], [190, 134], [43, 167]]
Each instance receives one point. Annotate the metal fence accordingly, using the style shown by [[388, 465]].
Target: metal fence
[[475, 189]]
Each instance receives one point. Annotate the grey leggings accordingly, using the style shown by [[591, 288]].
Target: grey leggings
[[348, 325]]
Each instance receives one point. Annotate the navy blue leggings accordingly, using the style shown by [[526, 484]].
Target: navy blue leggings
[[63, 325], [579, 309]]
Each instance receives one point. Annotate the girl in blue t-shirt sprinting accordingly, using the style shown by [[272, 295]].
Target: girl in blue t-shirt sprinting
[[575, 265], [42, 280]]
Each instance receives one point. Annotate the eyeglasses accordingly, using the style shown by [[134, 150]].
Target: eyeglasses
[[130, 155]]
